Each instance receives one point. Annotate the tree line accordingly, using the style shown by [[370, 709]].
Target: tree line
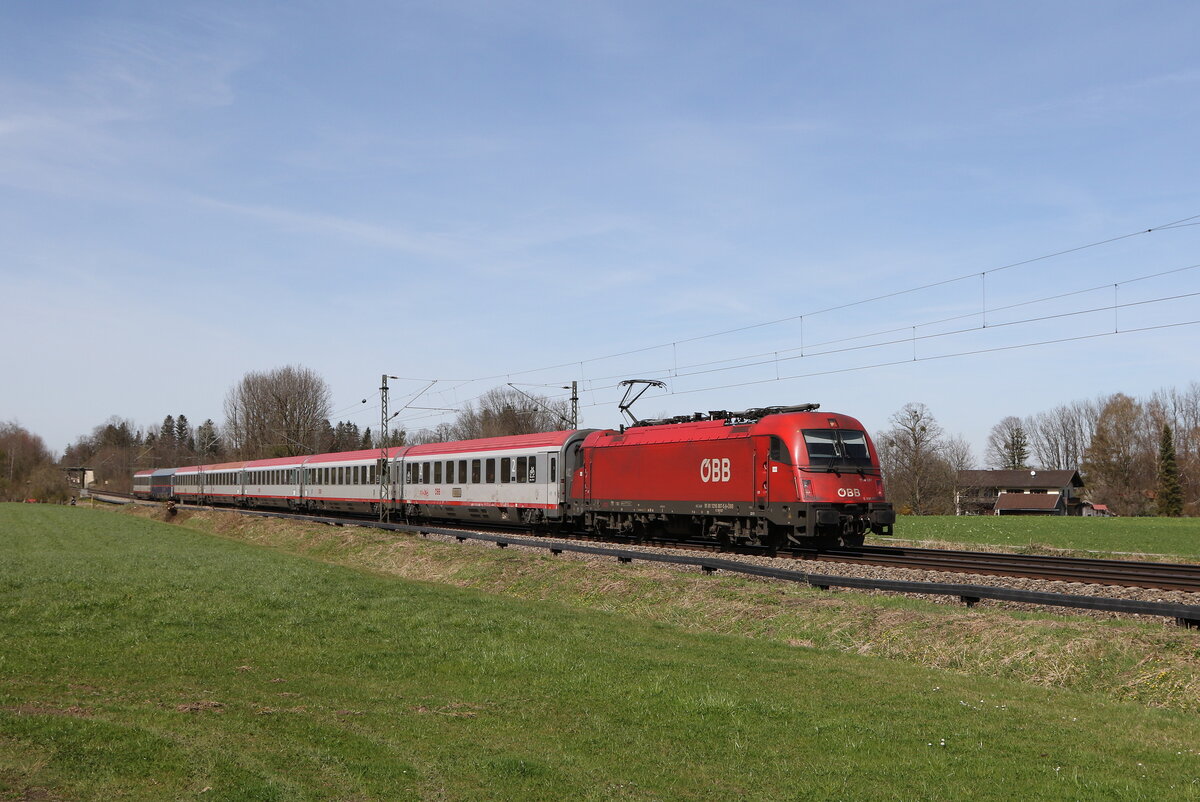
[[286, 412], [1139, 457]]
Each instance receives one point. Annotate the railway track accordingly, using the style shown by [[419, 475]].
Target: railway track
[[1124, 573], [1127, 573]]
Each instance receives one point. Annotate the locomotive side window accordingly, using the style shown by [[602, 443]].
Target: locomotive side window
[[779, 451], [490, 475], [505, 470]]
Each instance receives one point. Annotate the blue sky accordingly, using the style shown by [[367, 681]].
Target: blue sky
[[472, 191]]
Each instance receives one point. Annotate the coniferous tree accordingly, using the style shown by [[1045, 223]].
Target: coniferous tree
[[1170, 494], [183, 434], [167, 433]]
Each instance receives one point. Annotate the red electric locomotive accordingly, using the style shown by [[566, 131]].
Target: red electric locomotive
[[769, 477]]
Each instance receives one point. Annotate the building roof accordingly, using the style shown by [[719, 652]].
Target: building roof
[[1040, 502], [1025, 479]]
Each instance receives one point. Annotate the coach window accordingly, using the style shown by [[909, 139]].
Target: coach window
[[490, 472], [522, 467], [505, 470], [437, 472], [450, 472], [424, 473], [475, 475], [371, 476]]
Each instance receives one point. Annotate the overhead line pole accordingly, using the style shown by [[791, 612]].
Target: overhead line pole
[[384, 464]]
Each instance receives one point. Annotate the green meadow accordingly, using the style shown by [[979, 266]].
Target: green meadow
[[142, 660]]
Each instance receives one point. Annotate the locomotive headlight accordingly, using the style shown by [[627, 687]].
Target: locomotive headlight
[[806, 488]]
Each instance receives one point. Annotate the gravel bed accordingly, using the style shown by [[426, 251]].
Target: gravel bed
[[884, 572]]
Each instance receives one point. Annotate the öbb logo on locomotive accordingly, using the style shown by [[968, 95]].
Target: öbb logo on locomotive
[[714, 470], [803, 479]]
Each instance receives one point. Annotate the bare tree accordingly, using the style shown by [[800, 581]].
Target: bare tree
[[27, 467], [957, 452], [1120, 461], [504, 410], [1060, 437], [913, 456], [280, 413], [1008, 445]]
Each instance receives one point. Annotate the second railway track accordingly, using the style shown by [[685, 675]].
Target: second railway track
[[1128, 573]]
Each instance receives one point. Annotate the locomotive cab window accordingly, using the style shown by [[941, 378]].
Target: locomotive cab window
[[837, 449]]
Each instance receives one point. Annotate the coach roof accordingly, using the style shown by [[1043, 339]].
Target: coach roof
[[511, 442]]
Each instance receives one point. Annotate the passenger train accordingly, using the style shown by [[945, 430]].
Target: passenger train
[[772, 477]]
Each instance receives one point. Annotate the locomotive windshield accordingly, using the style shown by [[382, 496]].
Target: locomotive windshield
[[837, 449]]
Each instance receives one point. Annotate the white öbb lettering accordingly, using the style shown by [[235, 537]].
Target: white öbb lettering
[[714, 470], [849, 492]]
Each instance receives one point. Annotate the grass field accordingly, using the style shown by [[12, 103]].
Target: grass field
[[1169, 536], [147, 661]]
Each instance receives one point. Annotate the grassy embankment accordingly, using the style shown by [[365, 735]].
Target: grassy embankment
[[1176, 537], [148, 661]]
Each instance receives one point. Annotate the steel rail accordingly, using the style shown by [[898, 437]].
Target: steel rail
[[1128, 573]]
